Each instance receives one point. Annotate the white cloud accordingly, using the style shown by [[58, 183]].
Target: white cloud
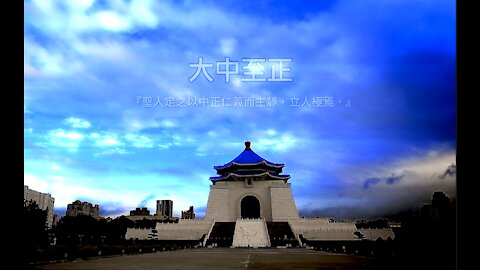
[[29, 71], [214, 147], [271, 132], [66, 189], [67, 139], [237, 83], [78, 16], [142, 12], [164, 145], [35, 183], [105, 139], [40, 61], [113, 151], [268, 140], [25, 110], [56, 178], [139, 141], [95, 135], [114, 143], [105, 49], [219, 132], [168, 123], [170, 85], [60, 133], [77, 122], [110, 143], [54, 167], [110, 20], [70, 23], [81, 5], [133, 121], [227, 46]]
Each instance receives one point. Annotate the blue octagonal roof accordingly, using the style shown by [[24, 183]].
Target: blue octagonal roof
[[248, 157]]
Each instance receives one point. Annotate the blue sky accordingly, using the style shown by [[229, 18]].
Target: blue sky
[[89, 66]]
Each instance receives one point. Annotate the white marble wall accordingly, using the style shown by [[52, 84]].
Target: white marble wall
[[185, 229], [283, 204], [219, 206], [275, 199], [323, 229]]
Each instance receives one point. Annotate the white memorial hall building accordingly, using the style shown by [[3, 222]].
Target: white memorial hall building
[[251, 205]]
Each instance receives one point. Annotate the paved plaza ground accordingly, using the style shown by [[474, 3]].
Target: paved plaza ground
[[223, 258]]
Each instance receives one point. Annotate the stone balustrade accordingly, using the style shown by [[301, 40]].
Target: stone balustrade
[[185, 229]]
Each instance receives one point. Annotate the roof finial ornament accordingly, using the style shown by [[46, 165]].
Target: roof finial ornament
[[247, 145]]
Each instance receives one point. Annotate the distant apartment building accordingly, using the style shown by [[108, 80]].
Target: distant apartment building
[[164, 208], [45, 201], [189, 214], [83, 208], [140, 212]]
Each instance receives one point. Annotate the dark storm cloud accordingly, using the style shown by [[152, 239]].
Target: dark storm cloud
[[109, 212], [371, 181], [145, 201], [384, 196], [450, 171], [393, 179], [376, 180]]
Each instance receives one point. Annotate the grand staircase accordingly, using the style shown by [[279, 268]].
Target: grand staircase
[[251, 233]]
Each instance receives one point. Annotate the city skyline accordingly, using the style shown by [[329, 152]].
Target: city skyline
[[89, 135]]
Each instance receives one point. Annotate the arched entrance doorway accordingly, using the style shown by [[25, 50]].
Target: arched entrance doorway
[[250, 207]]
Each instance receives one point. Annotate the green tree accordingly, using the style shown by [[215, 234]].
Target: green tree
[[117, 229], [35, 228], [359, 235], [78, 230]]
